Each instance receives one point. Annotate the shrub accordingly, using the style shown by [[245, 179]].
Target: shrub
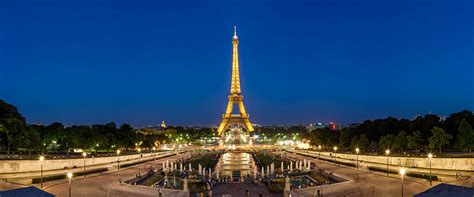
[[331, 160], [410, 174], [63, 176], [276, 187], [142, 161]]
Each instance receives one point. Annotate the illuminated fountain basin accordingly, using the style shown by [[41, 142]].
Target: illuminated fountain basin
[[235, 165]]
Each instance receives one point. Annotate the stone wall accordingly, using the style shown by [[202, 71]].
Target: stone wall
[[460, 164], [21, 166]]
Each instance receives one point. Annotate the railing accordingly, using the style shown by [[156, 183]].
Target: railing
[[235, 116]]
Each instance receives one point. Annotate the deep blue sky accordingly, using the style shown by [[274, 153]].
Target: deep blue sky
[[84, 62]]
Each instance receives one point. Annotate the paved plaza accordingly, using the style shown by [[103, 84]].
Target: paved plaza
[[361, 183], [108, 184]]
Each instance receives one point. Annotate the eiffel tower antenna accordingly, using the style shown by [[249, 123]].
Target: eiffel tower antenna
[[235, 32]]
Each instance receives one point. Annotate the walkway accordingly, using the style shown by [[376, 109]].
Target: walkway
[[108, 184], [239, 189]]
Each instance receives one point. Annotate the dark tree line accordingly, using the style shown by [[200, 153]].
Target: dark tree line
[[17, 136], [424, 133]]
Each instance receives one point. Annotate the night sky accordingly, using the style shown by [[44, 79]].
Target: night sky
[[140, 62]]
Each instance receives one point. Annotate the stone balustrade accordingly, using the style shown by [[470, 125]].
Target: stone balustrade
[[458, 164], [23, 166]]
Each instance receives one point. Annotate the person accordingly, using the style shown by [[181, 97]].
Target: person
[[247, 192], [159, 193]]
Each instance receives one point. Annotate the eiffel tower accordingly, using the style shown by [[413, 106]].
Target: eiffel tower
[[235, 97]]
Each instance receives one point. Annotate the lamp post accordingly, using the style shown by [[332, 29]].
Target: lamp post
[[357, 159], [84, 154], [69, 176], [139, 156], [154, 154], [319, 147], [430, 155], [402, 173], [118, 160], [41, 163], [387, 152], [335, 150]]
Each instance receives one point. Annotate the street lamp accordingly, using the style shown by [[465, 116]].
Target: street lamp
[[430, 155], [319, 147], [387, 152], [69, 176], [402, 173], [118, 160], [335, 150], [357, 158], [84, 154], [154, 154], [139, 156], [41, 162]]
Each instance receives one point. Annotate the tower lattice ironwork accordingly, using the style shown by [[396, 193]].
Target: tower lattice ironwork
[[235, 97]]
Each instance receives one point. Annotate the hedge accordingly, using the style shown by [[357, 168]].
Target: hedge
[[330, 160], [410, 174], [142, 161], [63, 176], [135, 163], [339, 162]]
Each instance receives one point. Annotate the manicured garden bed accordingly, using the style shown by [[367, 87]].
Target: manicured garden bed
[[330, 160]]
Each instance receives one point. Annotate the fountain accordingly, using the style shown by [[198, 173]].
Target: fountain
[[235, 165]]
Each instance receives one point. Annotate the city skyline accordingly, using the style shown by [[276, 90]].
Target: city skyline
[[300, 63]]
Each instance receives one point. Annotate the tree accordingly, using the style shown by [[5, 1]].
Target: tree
[[439, 139], [361, 142], [29, 139], [11, 129], [345, 138], [424, 124], [324, 137], [465, 137], [373, 146], [355, 142], [54, 135], [401, 141], [11, 122], [452, 123], [387, 142], [148, 141], [126, 136], [415, 141]]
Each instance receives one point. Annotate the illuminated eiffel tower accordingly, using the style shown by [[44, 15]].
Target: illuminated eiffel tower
[[235, 97]]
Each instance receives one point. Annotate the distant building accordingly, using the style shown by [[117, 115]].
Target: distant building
[[310, 126], [443, 118], [163, 124], [320, 125], [332, 126]]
